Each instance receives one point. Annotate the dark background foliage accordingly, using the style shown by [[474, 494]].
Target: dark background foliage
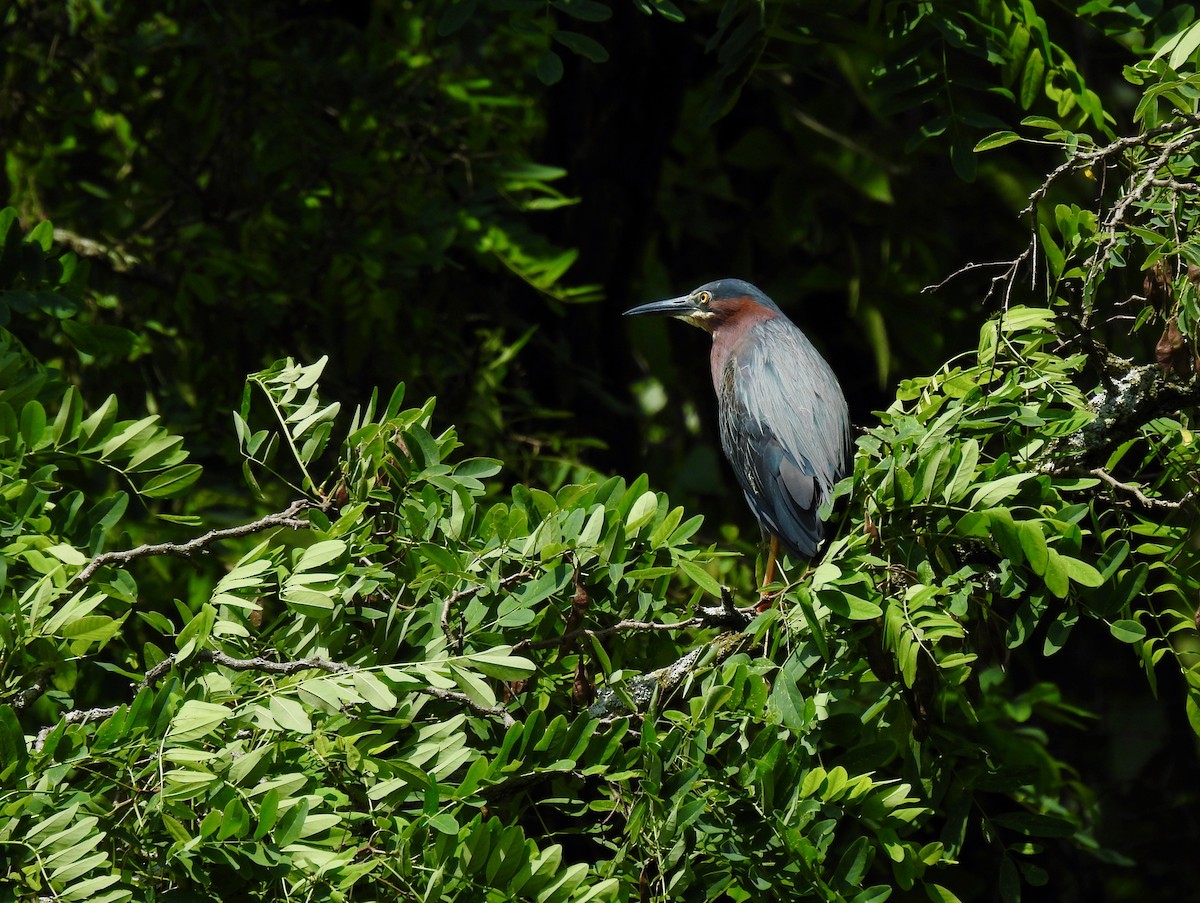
[[360, 180]]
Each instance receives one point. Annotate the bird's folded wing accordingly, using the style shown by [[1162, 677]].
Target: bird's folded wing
[[788, 498]]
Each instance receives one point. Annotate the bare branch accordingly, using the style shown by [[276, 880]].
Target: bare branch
[[641, 689], [1007, 264], [32, 693], [723, 615], [1117, 217], [1089, 158], [286, 518], [463, 699], [266, 666], [455, 639], [78, 716], [1136, 492], [258, 663], [1135, 398]]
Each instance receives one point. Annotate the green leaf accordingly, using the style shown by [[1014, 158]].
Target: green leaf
[[1192, 706], [995, 140], [1081, 572], [1180, 48], [235, 820], [173, 482], [964, 477], [374, 690], [320, 553], [1128, 631], [1033, 544], [939, 894], [1033, 79], [582, 45], [668, 10], [855, 862], [641, 512], [699, 576], [288, 828], [310, 602], [473, 686], [549, 68], [498, 663], [992, 492], [195, 719], [877, 894], [443, 823], [849, 606], [33, 423], [1036, 824], [1055, 575], [290, 715], [196, 632], [99, 339], [13, 751]]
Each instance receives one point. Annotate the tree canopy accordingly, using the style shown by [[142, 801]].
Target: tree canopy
[[354, 548]]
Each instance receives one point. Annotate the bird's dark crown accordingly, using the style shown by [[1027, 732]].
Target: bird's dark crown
[[734, 290], [714, 304]]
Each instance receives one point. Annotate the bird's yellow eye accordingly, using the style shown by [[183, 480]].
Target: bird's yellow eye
[[703, 298]]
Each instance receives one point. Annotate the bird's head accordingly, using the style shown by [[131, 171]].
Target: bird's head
[[713, 304]]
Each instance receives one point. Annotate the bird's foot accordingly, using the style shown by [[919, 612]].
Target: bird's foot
[[766, 600]]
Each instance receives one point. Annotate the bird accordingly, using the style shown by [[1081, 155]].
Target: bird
[[784, 422]]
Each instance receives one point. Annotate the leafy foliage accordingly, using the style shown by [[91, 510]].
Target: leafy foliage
[[426, 679]]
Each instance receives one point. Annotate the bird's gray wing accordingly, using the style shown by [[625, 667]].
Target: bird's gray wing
[[785, 429]]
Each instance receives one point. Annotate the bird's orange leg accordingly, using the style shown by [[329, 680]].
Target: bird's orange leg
[[765, 599], [772, 554]]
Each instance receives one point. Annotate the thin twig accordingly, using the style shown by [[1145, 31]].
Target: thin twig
[[1080, 159], [1096, 155], [619, 627], [258, 663], [78, 716], [265, 665], [492, 711], [1117, 217], [287, 518], [966, 268], [454, 639], [723, 615], [1136, 492]]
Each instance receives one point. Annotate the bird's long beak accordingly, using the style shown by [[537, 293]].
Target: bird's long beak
[[683, 306]]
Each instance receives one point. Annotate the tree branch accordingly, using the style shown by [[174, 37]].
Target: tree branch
[[640, 690], [723, 615], [32, 693], [455, 639], [78, 716], [1144, 500], [258, 663], [266, 666], [463, 699], [118, 259], [1135, 398], [286, 518], [1100, 154]]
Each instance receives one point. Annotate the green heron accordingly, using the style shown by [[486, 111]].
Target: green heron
[[784, 423]]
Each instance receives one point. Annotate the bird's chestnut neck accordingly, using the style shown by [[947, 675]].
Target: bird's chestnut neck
[[733, 316], [729, 324]]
